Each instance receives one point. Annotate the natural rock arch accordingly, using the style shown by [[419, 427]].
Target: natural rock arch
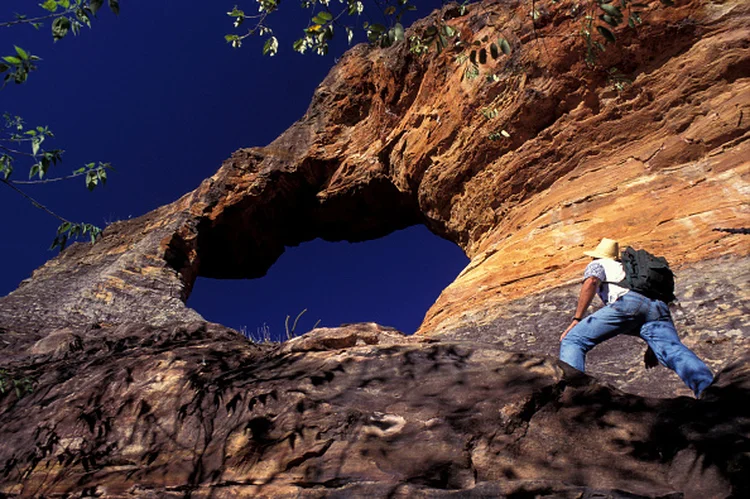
[[136, 395]]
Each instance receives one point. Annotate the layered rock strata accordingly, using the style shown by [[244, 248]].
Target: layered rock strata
[[392, 139], [136, 395]]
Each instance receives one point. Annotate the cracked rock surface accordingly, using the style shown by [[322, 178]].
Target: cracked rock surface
[[195, 410]]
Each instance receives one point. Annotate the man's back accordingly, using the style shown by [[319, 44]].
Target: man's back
[[609, 272]]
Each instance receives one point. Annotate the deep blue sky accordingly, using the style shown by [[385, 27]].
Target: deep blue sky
[[159, 94]]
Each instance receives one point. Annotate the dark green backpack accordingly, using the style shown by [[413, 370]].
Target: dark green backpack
[[648, 275]]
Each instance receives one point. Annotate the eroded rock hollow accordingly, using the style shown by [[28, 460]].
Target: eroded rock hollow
[[523, 166]]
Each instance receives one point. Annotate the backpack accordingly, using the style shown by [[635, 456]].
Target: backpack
[[648, 275]]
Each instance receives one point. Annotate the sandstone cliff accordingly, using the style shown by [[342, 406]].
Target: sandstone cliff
[[137, 395]]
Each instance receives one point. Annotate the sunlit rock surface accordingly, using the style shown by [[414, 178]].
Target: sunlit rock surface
[[136, 395]]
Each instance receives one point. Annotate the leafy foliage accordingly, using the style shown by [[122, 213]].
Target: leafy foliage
[[325, 19], [619, 81], [9, 382], [18, 66], [65, 16], [611, 13], [70, 230], [13, 138], [598, 28]]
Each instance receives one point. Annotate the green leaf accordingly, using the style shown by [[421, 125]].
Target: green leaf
[[4, 68], [482, 56], [398, 31], [20, 76], [60, 28], [12, 59], [610, 20], [611, 10], [494, 52], [65, 4], [91, 180], [271, 47], [96, 5], [44, 166], [355, 8], [326, 16], [441, 43], [49, 5], [21, 53], [387, 40], [471, 72], [377, 28], [83, 17], [114, 6], [504, 46], [607, 34]]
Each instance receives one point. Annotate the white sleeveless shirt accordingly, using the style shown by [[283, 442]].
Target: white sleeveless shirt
[[608, 272]]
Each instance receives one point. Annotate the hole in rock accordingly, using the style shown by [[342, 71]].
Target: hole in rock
[[392, 281]]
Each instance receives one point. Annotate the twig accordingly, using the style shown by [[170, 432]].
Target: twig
[[48, 180], [8, 24], [13, 151], [34, 201]]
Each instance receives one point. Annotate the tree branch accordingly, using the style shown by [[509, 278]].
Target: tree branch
[[34, 201], [48, 180], [8, 24], [13, 151]]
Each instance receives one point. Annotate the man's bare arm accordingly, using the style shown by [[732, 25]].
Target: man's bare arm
[[588, 291]]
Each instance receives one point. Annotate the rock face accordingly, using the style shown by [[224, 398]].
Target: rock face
[[195, 410], [136, 394]]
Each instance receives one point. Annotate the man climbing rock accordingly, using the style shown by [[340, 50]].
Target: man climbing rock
[[627, 312]]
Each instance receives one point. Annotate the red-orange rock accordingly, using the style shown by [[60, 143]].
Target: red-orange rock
[[392, 139], [524, 167]]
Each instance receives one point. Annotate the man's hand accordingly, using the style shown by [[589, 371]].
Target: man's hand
[[572, 325], [649, 359]]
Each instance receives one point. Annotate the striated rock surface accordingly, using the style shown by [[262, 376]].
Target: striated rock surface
[[135, 395], [392, 139], [194, 410]]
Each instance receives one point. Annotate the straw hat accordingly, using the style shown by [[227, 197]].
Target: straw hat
[[608, 248]]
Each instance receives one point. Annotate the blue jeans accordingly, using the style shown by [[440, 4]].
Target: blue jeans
[[633, 313]]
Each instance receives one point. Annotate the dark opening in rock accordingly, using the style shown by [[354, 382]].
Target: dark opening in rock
[[392, 281]]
